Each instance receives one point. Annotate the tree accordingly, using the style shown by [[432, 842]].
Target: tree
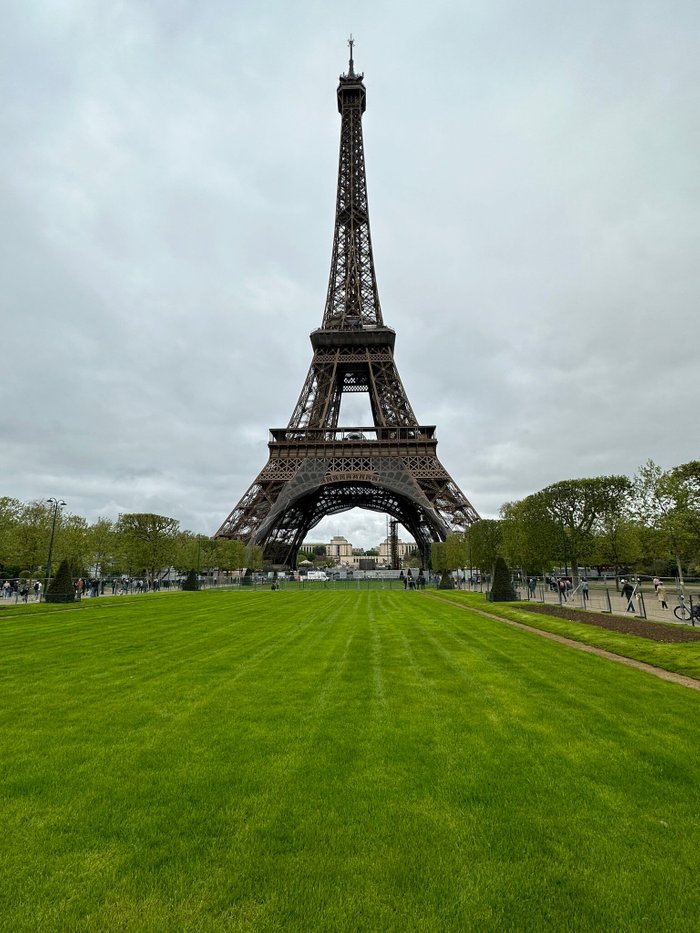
[[148, 542], [501, 586], [684, 483], [61, 588], [580, 506], [448, 555], [439, 561], [669, 502], [230, 554], [254, 556], [531, 539], [32, 533], [487, 542], [192, 581], [101, 546], [10, 512], [73, 543], [617, 542], [185, 552]]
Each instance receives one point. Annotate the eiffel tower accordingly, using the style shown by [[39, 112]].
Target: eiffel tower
[[316, 467]]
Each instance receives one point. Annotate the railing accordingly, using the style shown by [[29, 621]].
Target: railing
[[358, 434]]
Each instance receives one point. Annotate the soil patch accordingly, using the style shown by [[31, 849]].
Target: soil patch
[[644, 628]]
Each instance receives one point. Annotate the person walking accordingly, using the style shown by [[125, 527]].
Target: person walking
[[532, 586], [584, 590], [628, 593], [661, 595]]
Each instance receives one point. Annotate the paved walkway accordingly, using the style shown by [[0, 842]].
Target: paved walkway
[[647, 607]]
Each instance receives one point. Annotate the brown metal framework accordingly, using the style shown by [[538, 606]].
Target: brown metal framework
[[316, 468]]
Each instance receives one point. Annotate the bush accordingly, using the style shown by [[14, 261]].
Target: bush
[[501, 588], [61, 589], [192, 581]]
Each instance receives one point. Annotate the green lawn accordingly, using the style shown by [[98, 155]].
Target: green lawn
[[357, 760], [682, 658]]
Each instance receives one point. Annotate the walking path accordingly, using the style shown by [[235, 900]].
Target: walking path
[[659, 672], [598, 597]]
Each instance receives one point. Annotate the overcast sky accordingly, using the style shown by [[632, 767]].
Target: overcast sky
[[167, 193]]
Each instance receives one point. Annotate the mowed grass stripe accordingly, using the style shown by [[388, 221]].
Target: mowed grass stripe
[[519, 714], [357, 760]]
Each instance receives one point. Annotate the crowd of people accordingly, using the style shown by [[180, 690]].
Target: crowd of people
[[21, 589], [24, 590]]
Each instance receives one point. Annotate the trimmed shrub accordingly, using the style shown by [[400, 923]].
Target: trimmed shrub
[[61, 589], [192, 581], [501, 589]]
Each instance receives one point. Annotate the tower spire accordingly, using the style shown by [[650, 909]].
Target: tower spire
[[352, 299], [351, 70]]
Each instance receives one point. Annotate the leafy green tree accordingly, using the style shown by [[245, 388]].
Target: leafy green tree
[[668, 501], [10, 512], [207, 553], [440, 562], [531, 537], [148, 542], [101, 543], [580, 506], [684, 485], [32, 534], [186, 552], [617, 543], [254, 556], [230, 554], [448, 555], [73, 542], [486, 543]]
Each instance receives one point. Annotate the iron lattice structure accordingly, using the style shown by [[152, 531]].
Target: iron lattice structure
[[317, 468]]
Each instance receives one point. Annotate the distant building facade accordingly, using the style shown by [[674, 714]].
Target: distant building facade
[[343, 554], [403, 550]]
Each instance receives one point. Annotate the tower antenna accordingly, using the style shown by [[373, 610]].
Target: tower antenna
[[351, 43]]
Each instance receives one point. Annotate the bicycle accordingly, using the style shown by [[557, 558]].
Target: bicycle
[[687, 613]]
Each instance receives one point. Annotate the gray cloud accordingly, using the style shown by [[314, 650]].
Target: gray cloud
[[167, 186]]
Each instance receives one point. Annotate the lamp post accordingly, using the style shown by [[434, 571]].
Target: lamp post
[[56, 503], [563, 538], [471, 569]]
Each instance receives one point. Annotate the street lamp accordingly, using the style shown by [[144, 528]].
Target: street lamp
[[57, 503], [471, 569], [563, 538]]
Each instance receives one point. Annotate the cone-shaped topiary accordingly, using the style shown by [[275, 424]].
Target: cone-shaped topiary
[[191, 582], [501, 589], [61, 589]]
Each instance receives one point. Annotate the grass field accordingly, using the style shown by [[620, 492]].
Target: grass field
[[681, 658], [370, 760]]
